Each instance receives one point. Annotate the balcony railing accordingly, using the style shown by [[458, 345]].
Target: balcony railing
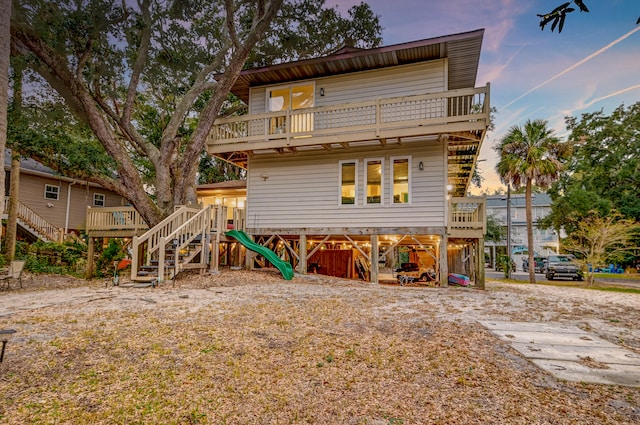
[[468, 213], [380, 118], [36, 222], [106, 220]]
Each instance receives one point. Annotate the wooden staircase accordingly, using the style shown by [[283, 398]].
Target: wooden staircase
[[179, 242], [35, 224]]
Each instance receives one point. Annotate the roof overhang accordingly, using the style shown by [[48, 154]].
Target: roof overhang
[[462, 51]]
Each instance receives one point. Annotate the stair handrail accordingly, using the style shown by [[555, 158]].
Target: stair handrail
[[37, 222], [154, 235], [199, 224]]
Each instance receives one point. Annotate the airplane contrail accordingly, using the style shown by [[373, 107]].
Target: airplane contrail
[[574, 66], [615, 93]]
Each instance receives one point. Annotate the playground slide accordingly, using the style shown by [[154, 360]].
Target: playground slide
[[284, 267]]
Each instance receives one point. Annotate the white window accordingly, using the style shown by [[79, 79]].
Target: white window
[[401, 180], [51, 192], [374, 169], [348, 182], [98, 200]]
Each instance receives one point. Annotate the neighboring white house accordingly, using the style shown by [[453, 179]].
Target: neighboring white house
[[545, 241]]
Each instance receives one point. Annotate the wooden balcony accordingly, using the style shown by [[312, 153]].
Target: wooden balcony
[[116, 222], [468, 217], [464, 111]]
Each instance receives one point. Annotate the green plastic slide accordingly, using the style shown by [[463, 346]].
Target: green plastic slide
[[284, 267]]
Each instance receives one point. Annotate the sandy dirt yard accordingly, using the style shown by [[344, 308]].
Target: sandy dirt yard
[[247, 347]]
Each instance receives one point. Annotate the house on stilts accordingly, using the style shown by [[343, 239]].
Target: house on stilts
[[354, 161]]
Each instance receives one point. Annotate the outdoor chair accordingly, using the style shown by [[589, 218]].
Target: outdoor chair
[[14, 272]]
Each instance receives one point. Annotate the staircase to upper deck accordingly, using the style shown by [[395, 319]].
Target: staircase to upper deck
[[35, 224], [182, 241]]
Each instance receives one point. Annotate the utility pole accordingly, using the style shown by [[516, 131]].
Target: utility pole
[[508, 265]]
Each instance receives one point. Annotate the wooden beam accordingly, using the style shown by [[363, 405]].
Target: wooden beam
[[302, 256], [355, 245], [289, 248], [444, 269], [374, 271], [326, 238]]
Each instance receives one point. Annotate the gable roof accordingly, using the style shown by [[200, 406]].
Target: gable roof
[[462, 50]]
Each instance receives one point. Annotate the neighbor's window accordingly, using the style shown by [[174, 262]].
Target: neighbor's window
[[348, 173], [373, 168], [98, 200], [51, 192], [401, 180]]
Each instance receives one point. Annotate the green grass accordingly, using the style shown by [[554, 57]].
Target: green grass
[[577, 284], [630, 276]]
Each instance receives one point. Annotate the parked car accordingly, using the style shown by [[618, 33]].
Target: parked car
[[410, 272], [563, 266], [539, 264]]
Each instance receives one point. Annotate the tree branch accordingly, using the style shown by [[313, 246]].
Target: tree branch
[[141, 58]]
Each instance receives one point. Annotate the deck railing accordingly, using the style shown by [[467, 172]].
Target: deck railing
[[371, 118], [468, 213], [37, 222], [179, 230], [101, 219]]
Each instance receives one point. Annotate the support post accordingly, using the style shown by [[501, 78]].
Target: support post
[[302, 253], [444, 261], [480, 264], [374, 255], [90, 264], [214, 263]]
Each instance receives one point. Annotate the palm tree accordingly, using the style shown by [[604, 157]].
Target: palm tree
[[531, 155]]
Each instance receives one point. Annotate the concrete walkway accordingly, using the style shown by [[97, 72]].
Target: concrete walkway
[[569, 353]]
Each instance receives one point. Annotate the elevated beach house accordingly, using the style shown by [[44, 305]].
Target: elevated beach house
[[362, 159]]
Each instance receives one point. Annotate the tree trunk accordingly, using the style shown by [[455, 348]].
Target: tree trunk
[[530, 244], [5, 40], [14, 195]]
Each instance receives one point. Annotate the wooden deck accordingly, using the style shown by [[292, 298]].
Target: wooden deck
[[467, 217], [461, 110], [114, 222]]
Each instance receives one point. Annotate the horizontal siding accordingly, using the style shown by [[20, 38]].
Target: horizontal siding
[[302, 190], [389, 82], [55, 211], [423, 78]]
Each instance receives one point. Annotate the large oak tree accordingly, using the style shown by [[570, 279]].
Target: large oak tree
[[145, 81]]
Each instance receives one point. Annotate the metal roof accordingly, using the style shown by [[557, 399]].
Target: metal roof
[[462, 50]]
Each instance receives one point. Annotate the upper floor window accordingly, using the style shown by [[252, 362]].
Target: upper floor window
[[51, 192], [348, 187], [294, 97], [374, 169], [98, 200], [401, 180]]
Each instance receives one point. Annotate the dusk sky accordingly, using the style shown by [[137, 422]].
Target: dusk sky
[[594, 64]]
